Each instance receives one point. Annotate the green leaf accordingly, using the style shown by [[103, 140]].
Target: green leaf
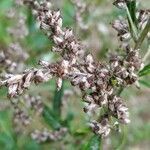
[[145, 71], [57, 101], [7, 142], [94, 143], [145, 83], [69, 118], [31, 144], [132, 9], [50, 118], [131, 14], [81, 131]]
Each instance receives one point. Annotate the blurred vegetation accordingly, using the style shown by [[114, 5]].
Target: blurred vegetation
[[134, 136]]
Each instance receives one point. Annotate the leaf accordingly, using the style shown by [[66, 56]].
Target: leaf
[[132, 9], [57, 101], [145, 71], [7, 139], [7, 142], [50, 118], [31, 144], [81, 131], [94, 143], [114, 82], [145, 83], [69, 118]]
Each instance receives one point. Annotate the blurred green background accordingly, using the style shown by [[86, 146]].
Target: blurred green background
[[98, 39]]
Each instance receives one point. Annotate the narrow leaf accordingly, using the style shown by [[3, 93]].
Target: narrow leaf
[[57, 101], [50, 118], [145, 83], [131, 14], [94, 143], [132, 9], [68, 119], [145, 71]]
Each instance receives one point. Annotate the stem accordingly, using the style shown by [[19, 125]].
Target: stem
[[120, 90], [147, 54], [139, 41], [123, 139], [143, 35], [134, 29]]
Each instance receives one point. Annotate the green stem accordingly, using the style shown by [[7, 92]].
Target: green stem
[[123, 139], [57, 101], [138, 45], [143, 35], [134, 29], [147, 54]]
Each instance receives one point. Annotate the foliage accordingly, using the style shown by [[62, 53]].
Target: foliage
[[53, 116]]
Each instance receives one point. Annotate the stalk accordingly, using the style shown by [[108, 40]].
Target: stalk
[[133, 27], [143, 35]]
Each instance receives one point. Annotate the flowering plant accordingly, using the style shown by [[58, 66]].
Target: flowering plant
[[100, 84]]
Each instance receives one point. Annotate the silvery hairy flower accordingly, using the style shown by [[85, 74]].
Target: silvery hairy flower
[[14, 54], [20, 30], [122, 28], [17, 83], [97, 81], [6, 63], [142, 18], [102, 127], [21, 117], [46, 135], [120, 3], [81, 8], [33, 102], [119, 110]]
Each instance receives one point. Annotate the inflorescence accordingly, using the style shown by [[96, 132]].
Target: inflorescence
[[99, 83]]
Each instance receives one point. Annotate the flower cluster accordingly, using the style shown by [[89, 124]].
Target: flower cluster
[[45, 135], [12, 61], [17, 83], [6, 63], [121, 25], [21, 117], [98, 82], [13, 57], [34, 102], [81, 8]]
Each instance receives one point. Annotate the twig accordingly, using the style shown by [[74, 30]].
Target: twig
[[147, 54], [143, 35]]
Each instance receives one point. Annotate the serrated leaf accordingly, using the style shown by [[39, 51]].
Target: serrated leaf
[[145, 71], [50, 118], [145, 83], [94, 143], [57, 101]]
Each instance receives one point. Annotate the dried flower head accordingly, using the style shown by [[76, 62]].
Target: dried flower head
[[98, 82]]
